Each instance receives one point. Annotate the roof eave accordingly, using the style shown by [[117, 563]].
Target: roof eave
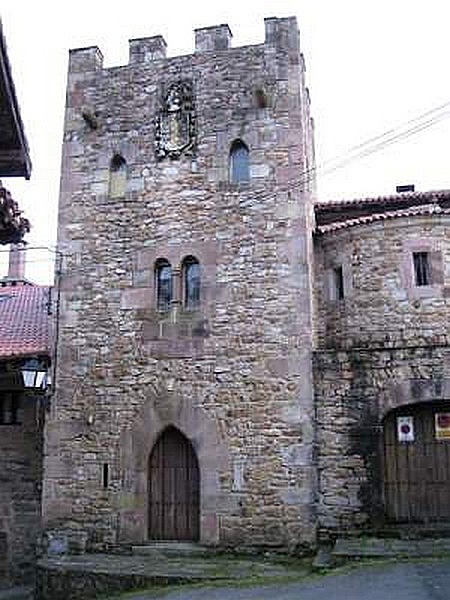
[[15, 162]]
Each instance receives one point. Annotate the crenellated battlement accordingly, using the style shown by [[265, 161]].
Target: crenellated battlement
[[213, 39], [144, 50], [85, 59], [280, 33]]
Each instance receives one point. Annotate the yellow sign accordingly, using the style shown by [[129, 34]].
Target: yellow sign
[[442, 425]]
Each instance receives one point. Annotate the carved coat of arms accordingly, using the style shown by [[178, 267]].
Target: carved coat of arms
[[175, 124]]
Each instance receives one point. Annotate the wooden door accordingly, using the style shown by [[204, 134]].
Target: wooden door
[[174, 489], [417, 472]]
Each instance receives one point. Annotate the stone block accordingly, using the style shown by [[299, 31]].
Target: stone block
[[146, 50], [135, 298], [213, 39], [85, 59]]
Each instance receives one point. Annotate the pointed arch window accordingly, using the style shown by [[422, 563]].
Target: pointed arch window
[[239, 162], [191, 282], [163, 284], [117, 176]]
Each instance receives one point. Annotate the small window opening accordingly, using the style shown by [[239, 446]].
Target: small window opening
[[339, 283], [105, 475], [422, 270], [9, 409], [239, 162], [117, 176], [260, 98], [117, 162], [163, 276], [191, 282]]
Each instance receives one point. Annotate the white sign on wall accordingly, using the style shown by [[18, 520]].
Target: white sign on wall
[[405, 429]]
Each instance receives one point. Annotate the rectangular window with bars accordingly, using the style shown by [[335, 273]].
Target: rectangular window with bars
[[422, 268]]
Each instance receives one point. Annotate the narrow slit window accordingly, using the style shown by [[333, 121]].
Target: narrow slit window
[[191, 281], [422, 268], [105, 475], [163, 277], [239, 162], [338, 283]]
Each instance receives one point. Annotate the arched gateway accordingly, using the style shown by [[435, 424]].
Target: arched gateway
[[417, 463], [173, 488]]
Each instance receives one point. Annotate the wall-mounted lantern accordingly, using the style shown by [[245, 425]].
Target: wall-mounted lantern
[[35, 375]]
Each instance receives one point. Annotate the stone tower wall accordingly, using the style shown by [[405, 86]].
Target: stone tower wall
[[234, 376]]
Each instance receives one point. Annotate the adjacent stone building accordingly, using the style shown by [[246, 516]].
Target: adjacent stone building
[[382, 361], [236, 363], [24, 337]]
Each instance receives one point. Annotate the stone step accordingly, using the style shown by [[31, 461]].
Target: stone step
[[389, 548], [169, 549]]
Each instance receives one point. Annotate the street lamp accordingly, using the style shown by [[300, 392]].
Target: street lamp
[[34, 374]]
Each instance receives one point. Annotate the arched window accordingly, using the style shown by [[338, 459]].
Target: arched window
[[163, 284], [239, 162], [117, 176], [191, 282]]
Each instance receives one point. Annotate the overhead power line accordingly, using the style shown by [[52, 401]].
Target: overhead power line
[[379, 142]]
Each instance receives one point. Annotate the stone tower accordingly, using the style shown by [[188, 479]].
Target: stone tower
[[183, 404]]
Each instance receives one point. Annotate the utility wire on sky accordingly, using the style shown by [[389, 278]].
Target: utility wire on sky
[[370, 146], [379, 142]]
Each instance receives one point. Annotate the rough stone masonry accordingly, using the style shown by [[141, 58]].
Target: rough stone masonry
[[146, 178], [234, 359]]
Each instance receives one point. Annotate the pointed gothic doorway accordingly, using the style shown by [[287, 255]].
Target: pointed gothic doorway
[[173, 488]]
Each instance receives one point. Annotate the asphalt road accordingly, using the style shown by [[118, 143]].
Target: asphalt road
[[397, 581]]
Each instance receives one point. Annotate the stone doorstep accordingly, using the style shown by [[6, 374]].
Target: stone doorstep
[[170, 549], [390, 548]]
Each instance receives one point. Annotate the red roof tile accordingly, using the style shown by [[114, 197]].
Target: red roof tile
[[412, 211], [331, 216], [24, 321], [406, 198]]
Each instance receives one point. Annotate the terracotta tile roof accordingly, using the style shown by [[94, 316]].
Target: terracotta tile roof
[[427, 209], [406, 198], [24, 321], [331, 216]]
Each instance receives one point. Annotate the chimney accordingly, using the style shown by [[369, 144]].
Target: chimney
[[16, 268], [405, 188]]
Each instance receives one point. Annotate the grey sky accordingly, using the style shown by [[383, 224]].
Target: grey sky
[[370, 67]]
